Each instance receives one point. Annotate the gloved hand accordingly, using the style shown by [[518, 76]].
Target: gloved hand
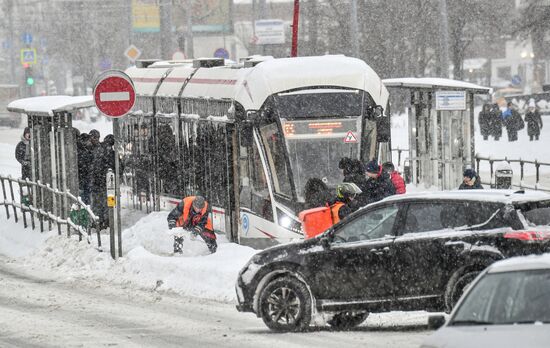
[[171, 224], [197, 230]]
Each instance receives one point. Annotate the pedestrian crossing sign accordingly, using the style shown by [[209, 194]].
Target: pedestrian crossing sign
[[350, 138], [28, 56]]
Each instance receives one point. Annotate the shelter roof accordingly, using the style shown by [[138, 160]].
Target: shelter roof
[[46, 106], [435, 83]]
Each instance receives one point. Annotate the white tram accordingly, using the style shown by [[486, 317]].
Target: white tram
[[248, 136]]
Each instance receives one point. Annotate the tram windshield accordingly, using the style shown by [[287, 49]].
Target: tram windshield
[[320, 129]]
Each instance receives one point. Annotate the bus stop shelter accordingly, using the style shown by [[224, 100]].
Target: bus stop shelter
[[53, 152], [440, 129]]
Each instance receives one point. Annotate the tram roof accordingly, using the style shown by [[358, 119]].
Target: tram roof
[[435, 83], [251, 86], [47, 105]]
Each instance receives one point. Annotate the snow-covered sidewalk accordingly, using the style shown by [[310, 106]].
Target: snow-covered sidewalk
[[147, 260]]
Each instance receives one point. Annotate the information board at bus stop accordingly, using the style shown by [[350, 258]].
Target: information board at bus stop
[[450, 100], [269, 32]]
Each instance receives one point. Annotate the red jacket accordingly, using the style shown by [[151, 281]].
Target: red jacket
[[398, 182]]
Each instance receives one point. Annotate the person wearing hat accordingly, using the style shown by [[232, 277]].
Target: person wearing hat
[[379, 185], [533, 120], [344, 204], [396, 178], [22, 154], [471, 180], [193, 214]]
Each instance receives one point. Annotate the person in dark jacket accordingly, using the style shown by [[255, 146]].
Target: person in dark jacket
[[534, 122], [396, 178], [316, 193], [512, 121], [484, 121], [103, 160], [193, 214], [354, 172], [495, 123], [344, 203], [379, 185], [22, 154], [471, 180], [84, 160]]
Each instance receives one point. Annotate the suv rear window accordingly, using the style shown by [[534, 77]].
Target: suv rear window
[[536, 213]]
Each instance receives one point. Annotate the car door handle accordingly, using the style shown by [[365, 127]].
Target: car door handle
[[380, 251]]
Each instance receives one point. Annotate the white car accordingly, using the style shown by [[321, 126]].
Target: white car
[[507, 305]]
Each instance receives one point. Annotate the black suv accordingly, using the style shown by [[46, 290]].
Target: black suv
[[407, 252]]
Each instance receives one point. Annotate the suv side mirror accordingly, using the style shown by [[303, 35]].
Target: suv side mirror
[[436, 321], [325, 242]]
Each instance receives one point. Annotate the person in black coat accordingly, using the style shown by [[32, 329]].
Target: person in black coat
[[471, 181], [495, 122], [22, 154], [84, 160], [379, 185], [534, 123], [484, 121], [512, 121], [316, 194], [354, 172], [103, 160]]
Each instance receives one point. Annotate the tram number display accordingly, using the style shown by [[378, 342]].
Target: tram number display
[[318, 127]]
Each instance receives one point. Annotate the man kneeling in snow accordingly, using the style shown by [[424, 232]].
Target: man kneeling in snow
[[193, 214]]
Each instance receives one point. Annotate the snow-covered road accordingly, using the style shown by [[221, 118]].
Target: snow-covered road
[[37, 311]]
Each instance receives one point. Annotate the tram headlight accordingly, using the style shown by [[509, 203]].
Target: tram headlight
[[288, 222]]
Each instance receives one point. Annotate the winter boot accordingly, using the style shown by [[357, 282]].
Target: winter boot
[[178, 245]]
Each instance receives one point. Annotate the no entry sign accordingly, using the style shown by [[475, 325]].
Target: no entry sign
[[114, 93]]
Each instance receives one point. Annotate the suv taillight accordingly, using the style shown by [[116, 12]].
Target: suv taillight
[[528, 235]]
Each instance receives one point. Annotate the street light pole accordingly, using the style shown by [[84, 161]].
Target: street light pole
[[444, 39], [354, 29], [11, 42]]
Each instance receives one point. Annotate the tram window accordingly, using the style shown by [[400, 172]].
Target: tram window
[[276, 158]]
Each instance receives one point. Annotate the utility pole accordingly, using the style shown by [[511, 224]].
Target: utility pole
[[165, 28], [11, 43], [189, 18], [353, 29], [444, 40]]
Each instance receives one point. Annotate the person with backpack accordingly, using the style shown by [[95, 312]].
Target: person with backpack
[[396, 178]]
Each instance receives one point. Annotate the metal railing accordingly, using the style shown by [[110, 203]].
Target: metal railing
[[522, 163], [56, 212]]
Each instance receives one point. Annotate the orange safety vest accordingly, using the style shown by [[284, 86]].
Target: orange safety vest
[[334, 209], [187, 206]]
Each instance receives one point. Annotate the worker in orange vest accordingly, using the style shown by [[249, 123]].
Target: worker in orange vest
[[344, 204], [193, 214]]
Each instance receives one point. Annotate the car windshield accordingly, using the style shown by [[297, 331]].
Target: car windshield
[[507, 298]]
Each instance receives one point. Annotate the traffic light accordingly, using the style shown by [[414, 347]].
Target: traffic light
[[29, 77]]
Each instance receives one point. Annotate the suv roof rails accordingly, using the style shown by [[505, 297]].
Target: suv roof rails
[[519, 191]]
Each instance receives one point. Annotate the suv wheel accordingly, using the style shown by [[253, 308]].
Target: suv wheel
[[456, 286], [347, 320], [285, 305]]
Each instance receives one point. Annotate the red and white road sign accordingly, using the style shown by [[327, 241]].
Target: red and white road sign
[[350, 138], [114, 94]]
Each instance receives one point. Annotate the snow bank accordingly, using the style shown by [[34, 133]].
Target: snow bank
[[147, 263]]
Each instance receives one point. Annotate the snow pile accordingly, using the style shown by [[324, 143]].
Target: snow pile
[[148, 261]]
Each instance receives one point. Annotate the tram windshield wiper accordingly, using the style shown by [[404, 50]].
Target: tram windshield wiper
[[470, 322]]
